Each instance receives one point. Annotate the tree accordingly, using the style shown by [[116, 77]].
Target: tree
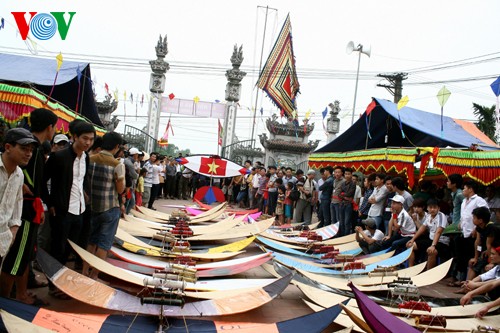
[[486, 120]]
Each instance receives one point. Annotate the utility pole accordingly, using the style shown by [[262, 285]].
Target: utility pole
[[395, 86]]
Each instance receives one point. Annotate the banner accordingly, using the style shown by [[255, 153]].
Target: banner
[[190, 108]]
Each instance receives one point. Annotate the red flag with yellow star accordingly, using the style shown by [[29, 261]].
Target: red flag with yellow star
[[212, 166]]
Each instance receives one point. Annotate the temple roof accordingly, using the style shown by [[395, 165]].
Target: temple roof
[[290, 128], [290, 146]]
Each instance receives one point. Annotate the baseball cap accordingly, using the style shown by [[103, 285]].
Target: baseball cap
[[20, 136], [311, 172], [60, 138], [300, 184], [369, 222], [133, 151], [398, 198]]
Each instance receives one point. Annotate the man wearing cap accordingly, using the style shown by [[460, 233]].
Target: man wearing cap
[[16, 263], [401, 226], [307, 199], [370, 239], [66, 170], [130, 164], [59, 142], [18, 148]]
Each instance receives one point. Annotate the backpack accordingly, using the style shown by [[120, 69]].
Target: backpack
[[294, 194]]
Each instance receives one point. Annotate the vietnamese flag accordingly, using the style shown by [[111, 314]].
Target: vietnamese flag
[[212, 166]]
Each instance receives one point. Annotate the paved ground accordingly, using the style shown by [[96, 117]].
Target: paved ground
[[288, 305]]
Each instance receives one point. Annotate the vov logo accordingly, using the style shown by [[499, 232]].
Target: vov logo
[[43, 26]]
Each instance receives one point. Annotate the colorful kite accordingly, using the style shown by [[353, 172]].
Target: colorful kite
[[278, 77], [442, 97]]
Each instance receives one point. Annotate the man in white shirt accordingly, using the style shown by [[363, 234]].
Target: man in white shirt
[[18, 144], [66, 169], [435, 244], [401, 226], [377, 200], [255, 187], [465, 248], [369, 240], [148, 179]]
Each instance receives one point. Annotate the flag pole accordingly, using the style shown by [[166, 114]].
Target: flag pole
[[260, 68]]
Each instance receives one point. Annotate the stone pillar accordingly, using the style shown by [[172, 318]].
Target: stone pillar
[[156, 86], [333, 122], [233, 92]]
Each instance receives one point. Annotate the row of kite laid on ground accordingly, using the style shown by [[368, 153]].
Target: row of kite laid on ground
[[179, 265]]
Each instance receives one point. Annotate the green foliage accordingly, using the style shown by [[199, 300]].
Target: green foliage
[[486, 120]]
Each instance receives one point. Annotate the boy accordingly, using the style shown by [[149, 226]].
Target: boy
[[435, 245], [401, 226], [485, 234], [369, 240]]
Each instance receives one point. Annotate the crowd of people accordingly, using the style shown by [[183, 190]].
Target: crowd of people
[[55, 187]]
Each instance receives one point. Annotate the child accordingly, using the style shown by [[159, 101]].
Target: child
[[288, 202], [139, 190], [435, 245], [485, 234], [279, 207]]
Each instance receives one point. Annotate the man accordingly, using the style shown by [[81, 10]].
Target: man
[[326, 195], [398, 186], [66, 170], [130, 164], [486, 233], [107, 183], [338, 181], [387, 214], [170, 181], [370, 239], [321, 181], [454, 184], [434, 244], [18, 148], [272, 191], [184, 192], [466, 241], [401, 226], [59, 142], [249, 184], [377, 199], [148, 179], [307, 199], [255, 187], [346, 200], [355, 220], [493, 201], [289, 177], [16, 263], [261, 187]]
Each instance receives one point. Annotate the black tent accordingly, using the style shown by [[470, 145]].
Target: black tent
[[381, 129]]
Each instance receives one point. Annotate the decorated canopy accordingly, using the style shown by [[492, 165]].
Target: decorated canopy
[[39, 73], [421, 129], [482, 166], [18, 102]]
